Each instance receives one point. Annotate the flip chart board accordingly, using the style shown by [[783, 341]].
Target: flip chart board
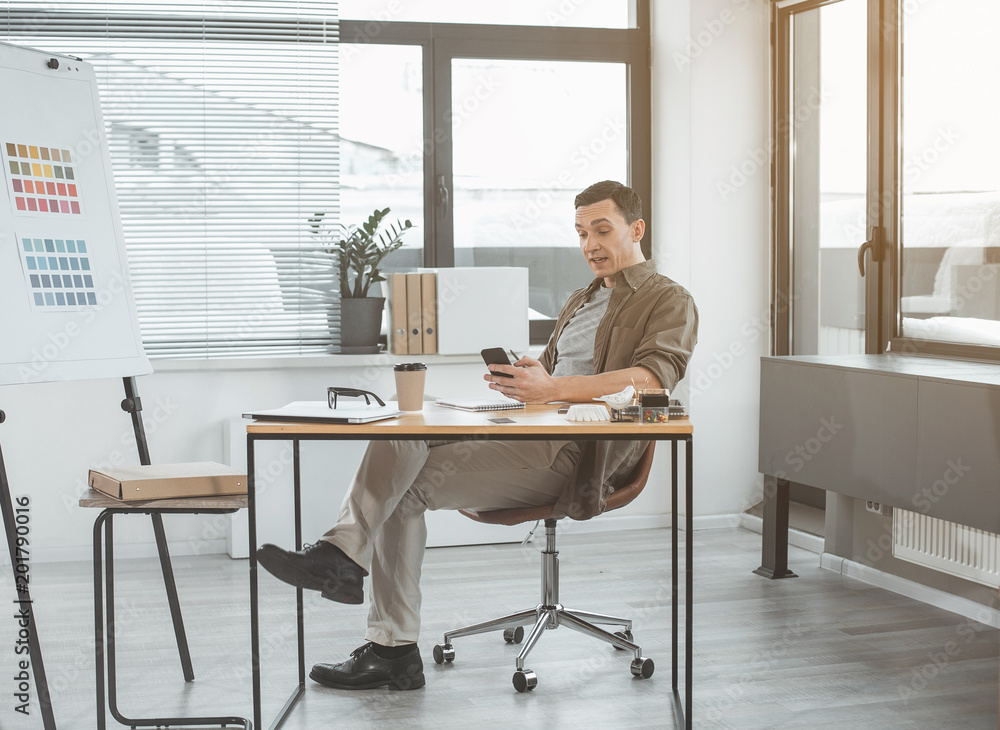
[[66, 305]]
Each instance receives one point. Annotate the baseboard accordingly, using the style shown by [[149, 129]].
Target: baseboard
[[972, 610], [712, 522], [798, 538]]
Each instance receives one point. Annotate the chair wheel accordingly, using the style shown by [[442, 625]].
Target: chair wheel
[[444, 653], [642, 668], [514, 636], [524, 680], [626, 634]]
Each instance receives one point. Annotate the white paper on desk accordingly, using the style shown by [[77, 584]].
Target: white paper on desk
[[320, 412]]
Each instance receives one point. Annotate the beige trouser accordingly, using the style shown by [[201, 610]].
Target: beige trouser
[[381, 522]]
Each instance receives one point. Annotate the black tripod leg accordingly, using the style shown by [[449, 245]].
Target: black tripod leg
[[175, 606]]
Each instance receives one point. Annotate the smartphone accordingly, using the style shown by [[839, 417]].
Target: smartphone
[[497, 356]]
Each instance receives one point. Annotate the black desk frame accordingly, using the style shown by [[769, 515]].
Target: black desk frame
[[682, 710]]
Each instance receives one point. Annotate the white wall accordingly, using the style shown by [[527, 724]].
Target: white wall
[[56, 431], [711, 208]]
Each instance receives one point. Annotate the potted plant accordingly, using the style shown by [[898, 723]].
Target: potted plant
[[359, 252]]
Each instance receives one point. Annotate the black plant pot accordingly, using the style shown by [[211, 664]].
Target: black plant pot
[[360, 324]]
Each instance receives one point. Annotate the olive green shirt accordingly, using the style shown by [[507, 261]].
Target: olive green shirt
[[651, 322]]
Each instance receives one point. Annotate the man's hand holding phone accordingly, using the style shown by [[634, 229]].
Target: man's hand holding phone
[[525, 379]]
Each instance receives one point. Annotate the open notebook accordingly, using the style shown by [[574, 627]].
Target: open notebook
[[482, 404]]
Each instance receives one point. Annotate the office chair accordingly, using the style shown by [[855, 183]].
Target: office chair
[[549, 613]]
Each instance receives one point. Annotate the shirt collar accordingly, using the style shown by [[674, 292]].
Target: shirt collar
[[633, 276]]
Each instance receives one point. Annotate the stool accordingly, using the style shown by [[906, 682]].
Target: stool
[[156, 508]]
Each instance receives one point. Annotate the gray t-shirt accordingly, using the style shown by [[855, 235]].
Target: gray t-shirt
[[576, 342]]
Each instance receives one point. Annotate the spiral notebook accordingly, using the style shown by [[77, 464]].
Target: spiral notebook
[[482, 404]]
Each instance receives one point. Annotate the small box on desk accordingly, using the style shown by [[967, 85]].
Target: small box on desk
[[480, 307], [165, 481]]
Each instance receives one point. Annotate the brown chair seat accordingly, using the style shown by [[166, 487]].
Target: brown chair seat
[[617, 499]]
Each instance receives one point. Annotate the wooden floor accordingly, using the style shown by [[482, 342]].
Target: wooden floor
[[818, 651]]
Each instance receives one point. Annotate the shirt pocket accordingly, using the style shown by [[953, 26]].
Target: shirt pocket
[[622, 346]]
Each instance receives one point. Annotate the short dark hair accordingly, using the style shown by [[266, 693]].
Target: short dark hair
[[626, 199]]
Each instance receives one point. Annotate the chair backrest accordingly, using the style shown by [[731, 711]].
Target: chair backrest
[[619, 498]]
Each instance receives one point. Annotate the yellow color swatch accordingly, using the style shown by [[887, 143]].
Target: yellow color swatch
[[36, 169], [48, 170], [33, 151]]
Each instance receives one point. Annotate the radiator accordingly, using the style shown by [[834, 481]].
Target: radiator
[[946, 547]]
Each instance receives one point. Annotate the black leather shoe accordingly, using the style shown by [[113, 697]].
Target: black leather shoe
[[367, 670], [321, 567]]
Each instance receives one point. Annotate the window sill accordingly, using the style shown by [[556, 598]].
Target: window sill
[[292, 362]]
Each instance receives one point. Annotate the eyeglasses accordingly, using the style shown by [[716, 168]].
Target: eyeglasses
[[332, 393]]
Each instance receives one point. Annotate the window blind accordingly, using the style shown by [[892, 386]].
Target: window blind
[[222, 123]]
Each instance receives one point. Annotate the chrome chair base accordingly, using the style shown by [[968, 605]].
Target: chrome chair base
[[547, 615]]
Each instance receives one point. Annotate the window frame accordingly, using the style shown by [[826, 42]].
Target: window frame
[[883, 280], [783, 13], [442, 42]]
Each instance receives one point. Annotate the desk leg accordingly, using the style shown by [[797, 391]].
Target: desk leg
[[299, 620], [254, 593], [254, 614], [774, 547], [689, 589], [682, 710]]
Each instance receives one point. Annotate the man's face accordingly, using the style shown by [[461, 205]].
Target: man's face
[[607, 241]]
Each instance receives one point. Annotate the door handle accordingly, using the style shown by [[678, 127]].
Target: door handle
[[874, 244], [444, 199]]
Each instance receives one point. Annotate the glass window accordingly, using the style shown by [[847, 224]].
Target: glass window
[[528, 136], [829, 176], [950, 181], [381, 140], [570, 13]]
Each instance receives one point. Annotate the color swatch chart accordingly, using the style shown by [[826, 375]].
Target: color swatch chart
[[58, 272], [42, 180]]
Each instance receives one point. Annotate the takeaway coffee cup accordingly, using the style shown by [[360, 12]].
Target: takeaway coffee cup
[[410, 385]]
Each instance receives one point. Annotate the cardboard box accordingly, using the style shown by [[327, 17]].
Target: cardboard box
[[163, 481]]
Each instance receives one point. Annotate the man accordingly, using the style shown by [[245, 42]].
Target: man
[[630, 325]]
